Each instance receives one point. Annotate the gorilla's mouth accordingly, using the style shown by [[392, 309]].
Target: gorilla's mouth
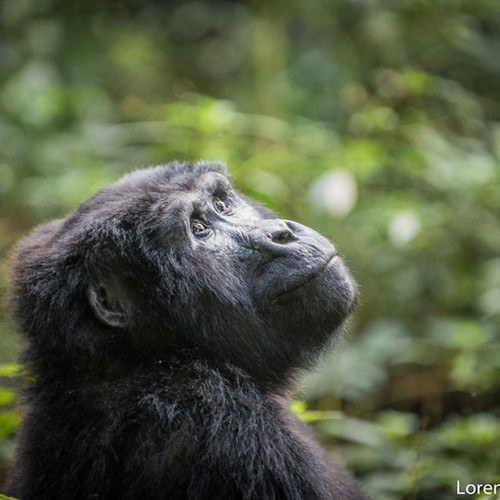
[[294, 285]]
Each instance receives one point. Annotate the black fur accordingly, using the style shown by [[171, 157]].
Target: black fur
[[166, 320]]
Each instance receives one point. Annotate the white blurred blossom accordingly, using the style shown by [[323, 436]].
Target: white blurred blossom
[[403, 227], [336, 191]]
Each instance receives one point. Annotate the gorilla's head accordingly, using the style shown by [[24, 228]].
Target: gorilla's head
[[170, 259]]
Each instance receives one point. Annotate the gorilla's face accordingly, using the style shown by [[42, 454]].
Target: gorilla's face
[[289, 277], [173, 258]]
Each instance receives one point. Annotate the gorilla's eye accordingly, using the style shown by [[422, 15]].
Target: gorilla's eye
[[198, 228], [220, 206]]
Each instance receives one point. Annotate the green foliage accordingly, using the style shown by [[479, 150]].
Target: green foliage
[[376, 122], [9, 418]]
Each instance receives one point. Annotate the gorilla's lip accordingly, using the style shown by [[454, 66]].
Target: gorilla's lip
[[308, 277]]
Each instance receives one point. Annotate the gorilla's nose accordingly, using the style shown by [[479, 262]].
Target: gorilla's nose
[[281, 233], [273, 235]]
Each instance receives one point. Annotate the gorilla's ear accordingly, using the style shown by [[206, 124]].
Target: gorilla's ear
[[110, 303]]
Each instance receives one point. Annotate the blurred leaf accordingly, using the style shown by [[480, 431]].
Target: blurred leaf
[[352, 429], [10, 369], [9, 421]]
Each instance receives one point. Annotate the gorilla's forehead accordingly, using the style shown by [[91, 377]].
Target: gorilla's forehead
[[171, 177], [170, 184], [181, 196], [198, 190]]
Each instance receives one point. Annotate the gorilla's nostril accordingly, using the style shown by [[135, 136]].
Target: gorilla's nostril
[[280, 236]]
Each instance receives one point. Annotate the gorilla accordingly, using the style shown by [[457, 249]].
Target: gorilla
[[166, 320]]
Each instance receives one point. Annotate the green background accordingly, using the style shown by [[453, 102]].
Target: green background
[[377, 122]]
